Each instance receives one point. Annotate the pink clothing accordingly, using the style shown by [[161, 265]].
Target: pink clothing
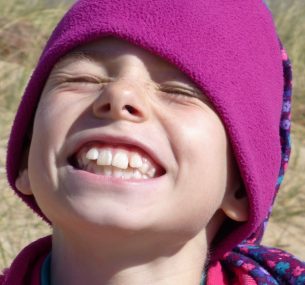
[[26, 268], [218, 275]]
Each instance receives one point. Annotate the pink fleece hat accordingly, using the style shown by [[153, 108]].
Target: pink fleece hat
[[228, 48]]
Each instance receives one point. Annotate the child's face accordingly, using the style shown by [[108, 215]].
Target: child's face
[[123, 98]]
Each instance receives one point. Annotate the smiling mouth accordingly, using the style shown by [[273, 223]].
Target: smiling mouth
[[124, 162]]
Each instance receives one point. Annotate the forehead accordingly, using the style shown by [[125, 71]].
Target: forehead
[[111, 50]]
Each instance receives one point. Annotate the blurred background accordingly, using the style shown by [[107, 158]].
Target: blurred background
[[24, 28]]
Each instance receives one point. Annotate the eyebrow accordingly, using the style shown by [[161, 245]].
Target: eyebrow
[[79, 55]]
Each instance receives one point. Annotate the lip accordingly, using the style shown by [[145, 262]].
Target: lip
[[142, 190], [114, 140], [110, 180]]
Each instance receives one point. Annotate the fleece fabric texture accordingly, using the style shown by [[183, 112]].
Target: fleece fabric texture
[[26, 268], [230, 49]]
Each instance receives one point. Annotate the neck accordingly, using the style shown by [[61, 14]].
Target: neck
[[126, 259]]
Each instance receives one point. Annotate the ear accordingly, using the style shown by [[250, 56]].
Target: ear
[[23, 182], [235, 204]]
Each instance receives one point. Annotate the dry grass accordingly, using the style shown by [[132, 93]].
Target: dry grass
[[290, 20], [24, 27]]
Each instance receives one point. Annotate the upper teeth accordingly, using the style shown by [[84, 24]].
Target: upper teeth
[[103, 158], [136, 161], [135, 165]]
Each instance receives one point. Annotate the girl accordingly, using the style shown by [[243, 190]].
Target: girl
[[153, 137]]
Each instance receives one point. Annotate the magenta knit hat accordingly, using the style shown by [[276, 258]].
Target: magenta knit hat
[[228, 48]]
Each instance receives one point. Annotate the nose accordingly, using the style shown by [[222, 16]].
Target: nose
[[122, 100]]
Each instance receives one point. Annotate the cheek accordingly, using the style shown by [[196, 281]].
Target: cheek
[[200, 145], [55, 115], [56, 111], [53, 119]]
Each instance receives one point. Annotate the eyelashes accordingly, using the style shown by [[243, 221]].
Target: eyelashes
[[85, 80], [82, 80], [185, 95], [95, 81], [180, 92]]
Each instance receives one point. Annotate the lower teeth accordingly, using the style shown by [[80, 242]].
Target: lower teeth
[[129, 173]]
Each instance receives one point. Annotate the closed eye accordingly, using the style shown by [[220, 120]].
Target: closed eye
[[181, 91], [60, 78], [83, 79], [185, 94]]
